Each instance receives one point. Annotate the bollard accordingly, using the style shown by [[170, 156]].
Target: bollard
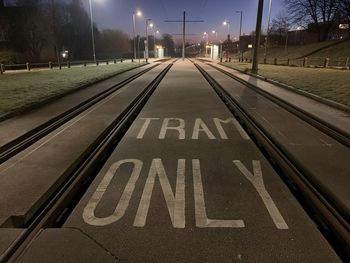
[[246, 59], [326, 63], [60, 65], [97, 63], [347, 63], [229, 59], [50, 65], [121, 60], [107, 62], [115, 61], [84, 63], [2, 69], [305, 62], [288, 62], [68, 64], [132, 60], [146, 60], [275, 61], [250, 60], [220, 60], [28, 66], [265, 61]]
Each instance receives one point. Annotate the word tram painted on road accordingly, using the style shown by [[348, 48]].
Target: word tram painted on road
[[178, 126], [175, 201]]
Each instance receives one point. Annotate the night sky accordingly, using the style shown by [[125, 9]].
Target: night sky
[[118, 14]]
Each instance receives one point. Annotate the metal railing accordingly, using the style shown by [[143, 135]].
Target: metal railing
[[316, 62], [50, 65]]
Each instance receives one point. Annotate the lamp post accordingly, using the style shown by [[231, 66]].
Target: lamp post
[[146, 41], [206, 36], [154, 39], [216, 35], [92, 33], [227, 23], [268, 29], [138, 13], [240, 32]]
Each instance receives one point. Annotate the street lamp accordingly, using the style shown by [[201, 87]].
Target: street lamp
[[227, 23], [134, 14], [240, 32], [268, 29], [92, 32], [154, 39], [206, 35], [216, 34], [146, 41]]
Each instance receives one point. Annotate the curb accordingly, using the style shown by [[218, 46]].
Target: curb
[[328, 102], [36, 105]]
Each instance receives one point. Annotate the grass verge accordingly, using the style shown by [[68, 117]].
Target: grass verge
[[327, 83], [22, 90]]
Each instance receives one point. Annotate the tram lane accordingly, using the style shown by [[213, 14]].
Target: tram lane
[[186, 184]]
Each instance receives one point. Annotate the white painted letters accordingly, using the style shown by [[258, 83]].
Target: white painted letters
[[180, 128], [175, 204], [201, 215], [89, 211], [258, 183]]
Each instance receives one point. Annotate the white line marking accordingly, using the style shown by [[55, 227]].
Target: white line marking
[[258, 183], [200, 126], [221, 130], [145, 126], [180, 128], [89, 211], [175, 204], [200, 211]]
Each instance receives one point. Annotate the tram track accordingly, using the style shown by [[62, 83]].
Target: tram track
[[17, 145], [316, 198], [58, 206]]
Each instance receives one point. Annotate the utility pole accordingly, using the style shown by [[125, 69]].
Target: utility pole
[[240, 33], [257, 37], [268, 29], [184, 21]]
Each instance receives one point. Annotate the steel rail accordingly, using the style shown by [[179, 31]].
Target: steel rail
[[24, 141], [71, 191], [320, 201]]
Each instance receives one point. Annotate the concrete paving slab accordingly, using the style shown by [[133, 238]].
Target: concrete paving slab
[[15, 127], [185, 185], [67, 245], [29, 178], [7, 237]]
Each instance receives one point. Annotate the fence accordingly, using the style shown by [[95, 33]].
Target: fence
[[317, 62], [50, 65]]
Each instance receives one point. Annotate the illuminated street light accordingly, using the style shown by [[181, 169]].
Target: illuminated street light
[[227, 23], [207, 37], [137, 13], [216, 34], [146, 41]]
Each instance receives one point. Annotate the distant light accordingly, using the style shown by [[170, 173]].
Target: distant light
[[225, 23], [298, 28], [64, 54], [151, 25], [344, 26], [157, 32], [205, 33], [139, 13], [213, 31], [250, 46]]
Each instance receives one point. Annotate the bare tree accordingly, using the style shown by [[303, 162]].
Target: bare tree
[[321, 13]]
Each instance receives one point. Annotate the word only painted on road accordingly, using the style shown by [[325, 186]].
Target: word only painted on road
[[178, 127], [175, 201]]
